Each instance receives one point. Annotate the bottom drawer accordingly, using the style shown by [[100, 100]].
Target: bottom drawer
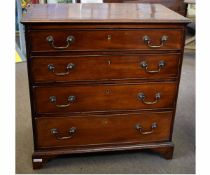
[[102, 129]]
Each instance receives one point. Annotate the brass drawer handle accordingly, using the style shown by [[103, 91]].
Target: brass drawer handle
[[58, 136], [141, 97], [144, 65], [51, 68], [141, 130], [147, 41], [70, 39], [70, 100]]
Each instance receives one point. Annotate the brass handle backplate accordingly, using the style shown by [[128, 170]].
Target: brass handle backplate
[[147, 41], [141, 130], [70, 39], [144, 65], [70, 99], [141, 97], [51, 68], [59, 136]]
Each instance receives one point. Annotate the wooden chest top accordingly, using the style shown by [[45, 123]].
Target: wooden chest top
[[102, 13]]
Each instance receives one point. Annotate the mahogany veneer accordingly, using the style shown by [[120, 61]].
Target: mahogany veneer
[[176, 5], [102, 79]]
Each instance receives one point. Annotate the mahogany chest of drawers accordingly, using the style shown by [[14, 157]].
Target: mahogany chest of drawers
[[103, 79]]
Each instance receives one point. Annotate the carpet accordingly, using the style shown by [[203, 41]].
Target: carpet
[[140, 162]]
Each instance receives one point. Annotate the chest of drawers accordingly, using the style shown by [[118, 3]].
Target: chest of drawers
[[102, 79]]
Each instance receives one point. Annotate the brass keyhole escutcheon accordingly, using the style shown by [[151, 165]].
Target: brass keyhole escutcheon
[[109, 37], [107, 91], [109, 62], [104, 122]]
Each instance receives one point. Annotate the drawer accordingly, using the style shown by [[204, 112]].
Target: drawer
[[88, 40], [100, 68], [99, 130], [86, 98]]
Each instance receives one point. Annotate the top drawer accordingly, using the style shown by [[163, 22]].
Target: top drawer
[[89, 40]]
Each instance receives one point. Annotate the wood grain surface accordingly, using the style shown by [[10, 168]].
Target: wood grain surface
[[111, 129], [104, 67], [102, 13]]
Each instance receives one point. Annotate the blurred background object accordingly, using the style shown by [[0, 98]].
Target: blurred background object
[[190, 38]]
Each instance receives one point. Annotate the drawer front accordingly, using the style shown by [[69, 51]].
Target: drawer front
[[96, 130], [71, 40], [99, 68], [63, 99]]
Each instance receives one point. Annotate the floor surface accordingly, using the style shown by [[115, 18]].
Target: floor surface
[[137, 162]]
